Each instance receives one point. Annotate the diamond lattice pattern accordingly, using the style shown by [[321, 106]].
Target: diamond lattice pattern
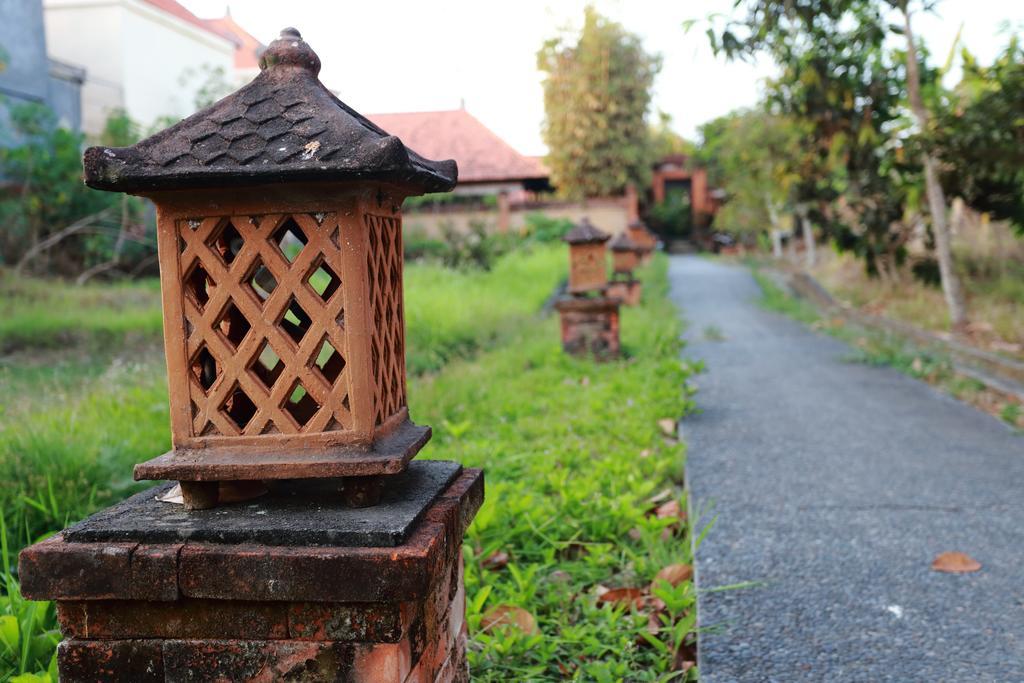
[[262, 300], [387, 345]]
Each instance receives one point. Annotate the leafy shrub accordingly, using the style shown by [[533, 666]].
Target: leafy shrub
[[672, 217], [540, 227]]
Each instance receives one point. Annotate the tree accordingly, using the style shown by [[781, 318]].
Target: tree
[[978, 135], [597, 91], [951, 287], [841, 84], [756, 156]]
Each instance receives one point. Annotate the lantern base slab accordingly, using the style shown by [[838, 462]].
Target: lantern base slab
[[305, 512], [388, 455]]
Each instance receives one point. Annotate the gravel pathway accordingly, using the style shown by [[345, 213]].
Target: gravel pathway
[[834, 485]]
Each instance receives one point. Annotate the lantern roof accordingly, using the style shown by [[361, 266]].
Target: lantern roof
[[283, 126], [637, 223], [622, 242], [586, 233]]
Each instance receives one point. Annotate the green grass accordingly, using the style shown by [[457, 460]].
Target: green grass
[[453, 313], [37, 314], [572, 451]]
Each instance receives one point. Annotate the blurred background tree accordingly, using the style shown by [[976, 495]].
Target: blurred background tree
[[597, 91]]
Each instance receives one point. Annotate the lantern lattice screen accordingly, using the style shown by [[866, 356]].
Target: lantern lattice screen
[[387, 345], [264, 324]]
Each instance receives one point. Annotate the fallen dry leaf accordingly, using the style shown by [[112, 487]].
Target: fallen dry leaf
[[635, 534], [955, 563], [509, 615], [619, 596], [670, 510], [674, 574], [496, 560], [645, 453], [668, 426], [584, 381]]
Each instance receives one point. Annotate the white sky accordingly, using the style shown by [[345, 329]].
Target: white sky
[[415, 55]]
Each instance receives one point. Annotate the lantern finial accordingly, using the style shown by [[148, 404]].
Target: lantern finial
[[290, 50]]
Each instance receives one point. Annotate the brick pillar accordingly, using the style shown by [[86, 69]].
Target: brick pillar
[[590, 326], [173, 611], [504, 213]]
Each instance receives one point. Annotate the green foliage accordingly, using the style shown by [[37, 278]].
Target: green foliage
[[597, 91], [477, 247], [46, 173], [845, 89], [543, 228], [756, 156], [454, 313], [28, 639], [979, 134], [672, 217], [572, 452]]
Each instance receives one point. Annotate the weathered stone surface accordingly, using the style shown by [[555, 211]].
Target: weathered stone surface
[[299, 513], [154, 572], [246, 612], [257, 660], [111, 661], [366, 622], [55, 569], [124, 619]]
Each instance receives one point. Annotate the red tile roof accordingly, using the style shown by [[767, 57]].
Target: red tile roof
[[248, 50], [482, 156], [175, 9]]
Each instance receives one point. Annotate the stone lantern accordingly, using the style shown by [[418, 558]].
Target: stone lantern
[[589, 318], [280, 247], [642, 236], [625, 260], [588, 267]]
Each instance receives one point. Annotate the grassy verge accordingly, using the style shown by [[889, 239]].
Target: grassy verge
[[41, 314], [568, 541], [879, 347], [994, 288], [577, 467]]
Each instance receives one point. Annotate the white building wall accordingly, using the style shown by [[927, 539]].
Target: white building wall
[[135, 57], [89, 35], [159, 51]]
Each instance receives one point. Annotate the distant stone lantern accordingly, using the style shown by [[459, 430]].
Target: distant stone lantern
[[590, 319], [280, 247], [642, 236], [588, 267], [625, 260]]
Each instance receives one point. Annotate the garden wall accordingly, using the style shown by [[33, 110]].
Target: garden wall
[[610, 214]]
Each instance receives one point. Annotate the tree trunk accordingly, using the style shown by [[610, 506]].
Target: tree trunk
[[810, 256], [951, 287]]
